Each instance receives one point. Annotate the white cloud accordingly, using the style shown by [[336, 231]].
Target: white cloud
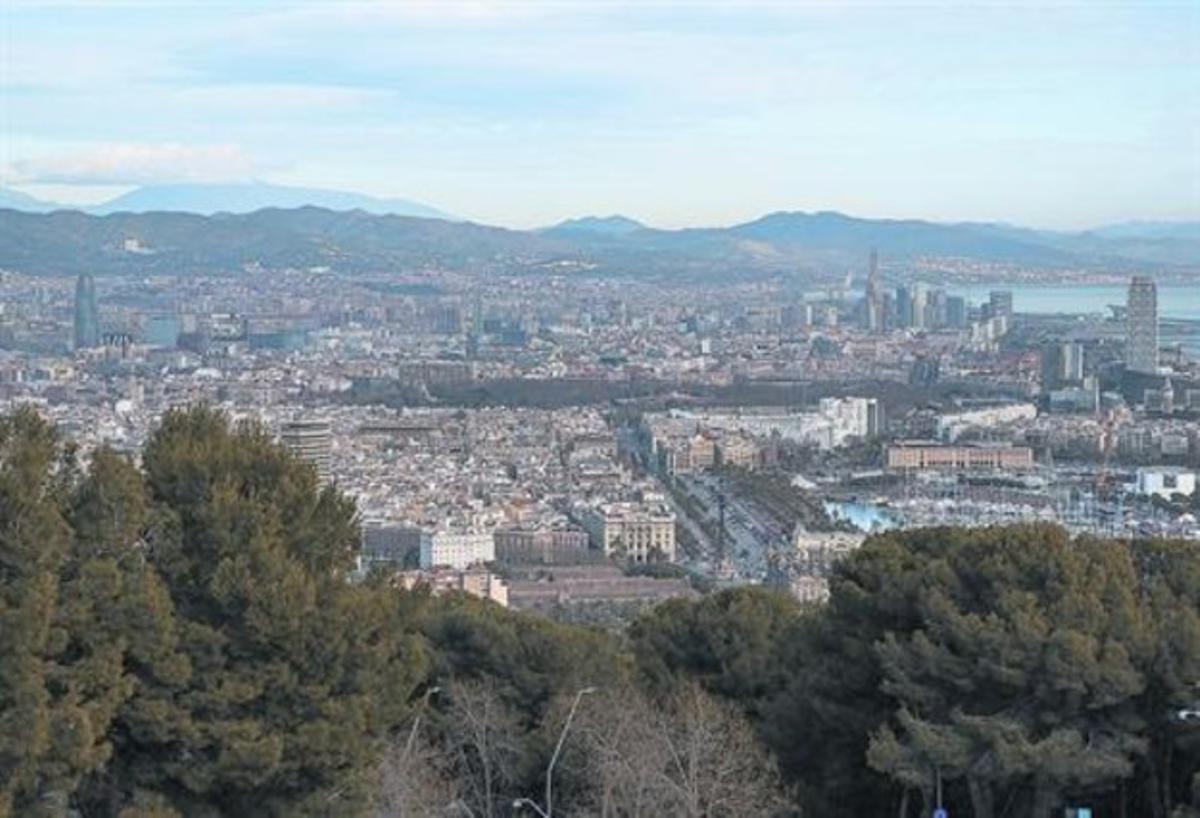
[[135, 164]]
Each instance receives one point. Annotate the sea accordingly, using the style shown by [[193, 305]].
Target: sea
[[1175, 302], [863, 516]]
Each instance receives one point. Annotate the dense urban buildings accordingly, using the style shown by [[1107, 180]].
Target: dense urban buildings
[[585, 446], [762, 410], [574, 422]]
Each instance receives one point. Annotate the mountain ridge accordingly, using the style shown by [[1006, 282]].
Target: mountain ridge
[[614, 225], [208, 199], [354, 240], [248, 197]]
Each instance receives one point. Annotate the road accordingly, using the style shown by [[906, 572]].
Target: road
[[750, 533]]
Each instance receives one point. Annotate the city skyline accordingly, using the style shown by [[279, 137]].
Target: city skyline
[[673, 408], [677, 114]]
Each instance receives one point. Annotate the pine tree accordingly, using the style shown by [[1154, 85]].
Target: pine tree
[[295, 675], [61, 674], [1168, 587], [121, 601], [1015, 679]]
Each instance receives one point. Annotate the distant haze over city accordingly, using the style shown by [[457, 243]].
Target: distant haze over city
[[207, 199]]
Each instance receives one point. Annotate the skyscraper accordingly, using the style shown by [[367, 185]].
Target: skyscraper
[[1072, 363], [87, 317], [1141, 326], [873, 317], [956, 311], [920, 301], [1001, 303], [935, 310], [1062, 365], [904, 307]]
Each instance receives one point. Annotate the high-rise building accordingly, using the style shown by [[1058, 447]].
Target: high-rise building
[[312, 441], [873, 317], [1062, 365], [920, 301], [1000, 302], [1141, 326], [935, 309], [1072, 363], [1051, 364], [904, 307], [87, 316], [956, 311]]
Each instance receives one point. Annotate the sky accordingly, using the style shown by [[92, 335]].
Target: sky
[[1055, 115]]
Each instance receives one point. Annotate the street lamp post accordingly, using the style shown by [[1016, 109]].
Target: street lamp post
[[525, 802], [1187, 715], [412, 732], [558, 749], [941, 812]]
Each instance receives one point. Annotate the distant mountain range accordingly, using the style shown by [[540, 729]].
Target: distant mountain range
[[241, 197], [1150, 230], [596, 226], [16, 200], [355, 240]]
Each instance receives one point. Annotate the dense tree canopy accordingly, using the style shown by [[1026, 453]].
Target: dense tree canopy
[[184, 637], [60, 672], [1029, 671]]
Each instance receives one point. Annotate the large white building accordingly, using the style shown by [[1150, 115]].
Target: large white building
[[835, 421], [951, 426], [457, 549], [850, 417], [1165, 481], [636, 531]]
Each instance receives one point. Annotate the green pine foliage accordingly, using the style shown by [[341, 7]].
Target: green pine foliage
[[61, 662], [730, 642], [295, 675], [183, 638], [1026, 669]]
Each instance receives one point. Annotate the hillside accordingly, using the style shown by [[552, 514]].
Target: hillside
[[351, 241], [67, 242]]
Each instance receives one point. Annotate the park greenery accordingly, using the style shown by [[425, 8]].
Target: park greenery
[[182, 635]]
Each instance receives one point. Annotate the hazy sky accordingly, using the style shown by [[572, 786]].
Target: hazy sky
[[523, 113]]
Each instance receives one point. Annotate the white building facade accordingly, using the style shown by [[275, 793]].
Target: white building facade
[[457, 549], [1165, 481]]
